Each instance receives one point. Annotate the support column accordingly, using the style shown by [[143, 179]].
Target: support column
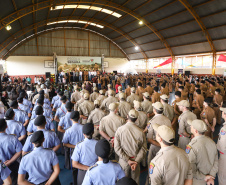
[[173, 65], [214, 63], [146, 65]]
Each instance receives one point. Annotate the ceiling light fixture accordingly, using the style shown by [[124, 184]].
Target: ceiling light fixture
[[141, 22], [136, 47], [8, 27]]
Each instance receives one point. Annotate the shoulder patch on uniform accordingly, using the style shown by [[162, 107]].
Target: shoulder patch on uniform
[[79, 142], [151, 168], [188, 148], [223, 132], [91, 167]]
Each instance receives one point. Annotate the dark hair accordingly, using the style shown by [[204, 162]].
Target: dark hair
[[156, 89], [3, 125], [158, 111], [166, 101], [168, 144], [39, 143], [64, 101], [198, 91], [218, 90], [201, 133], [197, 86], [90, 136], [96, 106], [132, 119], [181, 87]]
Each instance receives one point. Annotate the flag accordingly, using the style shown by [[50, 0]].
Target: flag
[[222, 58], [165, 63]]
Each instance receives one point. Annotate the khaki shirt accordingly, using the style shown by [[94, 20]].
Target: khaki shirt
[[106, 102], [159, 119], [128, 91], [155, 97], [131, 98], [149, 89], [106, 93], [170, 167], [139, 92], [78, 103], [147, 106], [165, 91], [75, 96], [95, 116], [124, 108], [153, 83], [142, 120], [182, 120], [176, 108], [110, 123], [85, 108], [36, 97], [184, 95], [221, 146], [101, 98], [168, 111], [202, 153], [218, 99], [130, 143], [208, 113], [93, 96], [198, 101]]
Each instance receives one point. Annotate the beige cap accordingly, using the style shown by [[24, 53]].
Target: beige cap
[[198, 125], [109, 85], [133, 113], [119, 88], [164, 97], [86, 96], [94, 88], [137, 104], [122, 95], [101, 91], [157, 105], [110, 92], [76, 87], [223, 109], [165, 132], [146, 94], [83, 85], [96, 102], [133, 89], [183, 103], [113, 106]]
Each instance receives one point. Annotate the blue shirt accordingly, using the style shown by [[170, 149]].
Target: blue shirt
[[28, 103], [9, 145], [47, 112], [74, 134], [84, 152], [32, 128], [65, 121], [20, 116], [24, 108], [61, 111], [51, 140], [15, 127], [55, 98], [4, 172], [38, 164], [103, 174], [57, 104], [46, 101]]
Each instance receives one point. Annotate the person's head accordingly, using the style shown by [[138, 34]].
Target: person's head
[[69, 106], [181, 88], [110, 93], [101, 92], [126, 181], [20, 99], [217, 91], [40, 101], [60, 93], [3, 125], [157, 108], [9, 115], [63, 99], [40, 121], [198, 127], [198, 91], [177, 94], [122, 96], [163, 86], [97, 104], [164, 99], [88, 130], [37, 138], [139, 84], [39, 110], [95, 89], [183, 105], [113, 107], [133, 90], [146, 96], [14, 104], [156, 89], [86, 96], [109, 86], [207, 102], [165, 134], [212, 84], [75, 116], [133, 115], [137, 105], [102, 150]]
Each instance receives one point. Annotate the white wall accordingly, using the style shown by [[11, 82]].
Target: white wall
[[27, 65], [116, 64]]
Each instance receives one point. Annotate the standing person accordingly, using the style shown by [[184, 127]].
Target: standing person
[[147, 104], [202, 154], [217, 102], [168, 110], [10, 151], [104, 171], [155, 96], [41, 164], [132, 97], [75, 95], [197, 104], [140, 91], [84, 154], [124, 107], [131, 146], [171, 165]]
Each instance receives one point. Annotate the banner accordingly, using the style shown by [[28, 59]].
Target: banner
[[165, 63], [70, 63], [222, 58], [180, 71]]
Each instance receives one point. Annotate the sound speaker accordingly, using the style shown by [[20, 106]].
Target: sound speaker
[[187, 73], [47, 74], [115, 72]]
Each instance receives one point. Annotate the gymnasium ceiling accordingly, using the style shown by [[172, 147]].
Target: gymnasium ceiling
[[170, 27]]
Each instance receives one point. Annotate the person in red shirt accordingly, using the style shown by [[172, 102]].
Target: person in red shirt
[[116, 86]]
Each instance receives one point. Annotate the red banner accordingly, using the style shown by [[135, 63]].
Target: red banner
[[222, 58], [165, 63]]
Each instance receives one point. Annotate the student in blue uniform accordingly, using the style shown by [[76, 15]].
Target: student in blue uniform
[[23, 107], [58, 103], [61, 111], [104, 172], [26, 101], [55, 98], [19, 115], [51, 139], [65, 121], [14, 127], [72, 136], [84, 153], [46, 100], [41, 164], [32, 128], [10, 151], [5, 174]]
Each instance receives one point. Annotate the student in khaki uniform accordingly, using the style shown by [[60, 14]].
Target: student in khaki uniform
[[95, 117], [79, 101], [208, 116], [110, 123], [151, 135], [85, 108], [140, 91], [107, 101], [202, 154], [168, 110], [164, 89], [131, 146], [197, 104], [155, 96], [109, 89], [132, 97], [119, 91], [101, 96], [142, 119], [176, 110], [153, 83], [222, 149], [191, 92], [124, 107], [184, 128], [184, 95], [217, 102], [211, 90], [75, 95], [149, 89], [128, 90], [147, 105], [94, 95], [83, 89], [171, 165]]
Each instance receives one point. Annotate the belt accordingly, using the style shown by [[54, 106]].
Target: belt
[[221, 152], [132, 157]]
